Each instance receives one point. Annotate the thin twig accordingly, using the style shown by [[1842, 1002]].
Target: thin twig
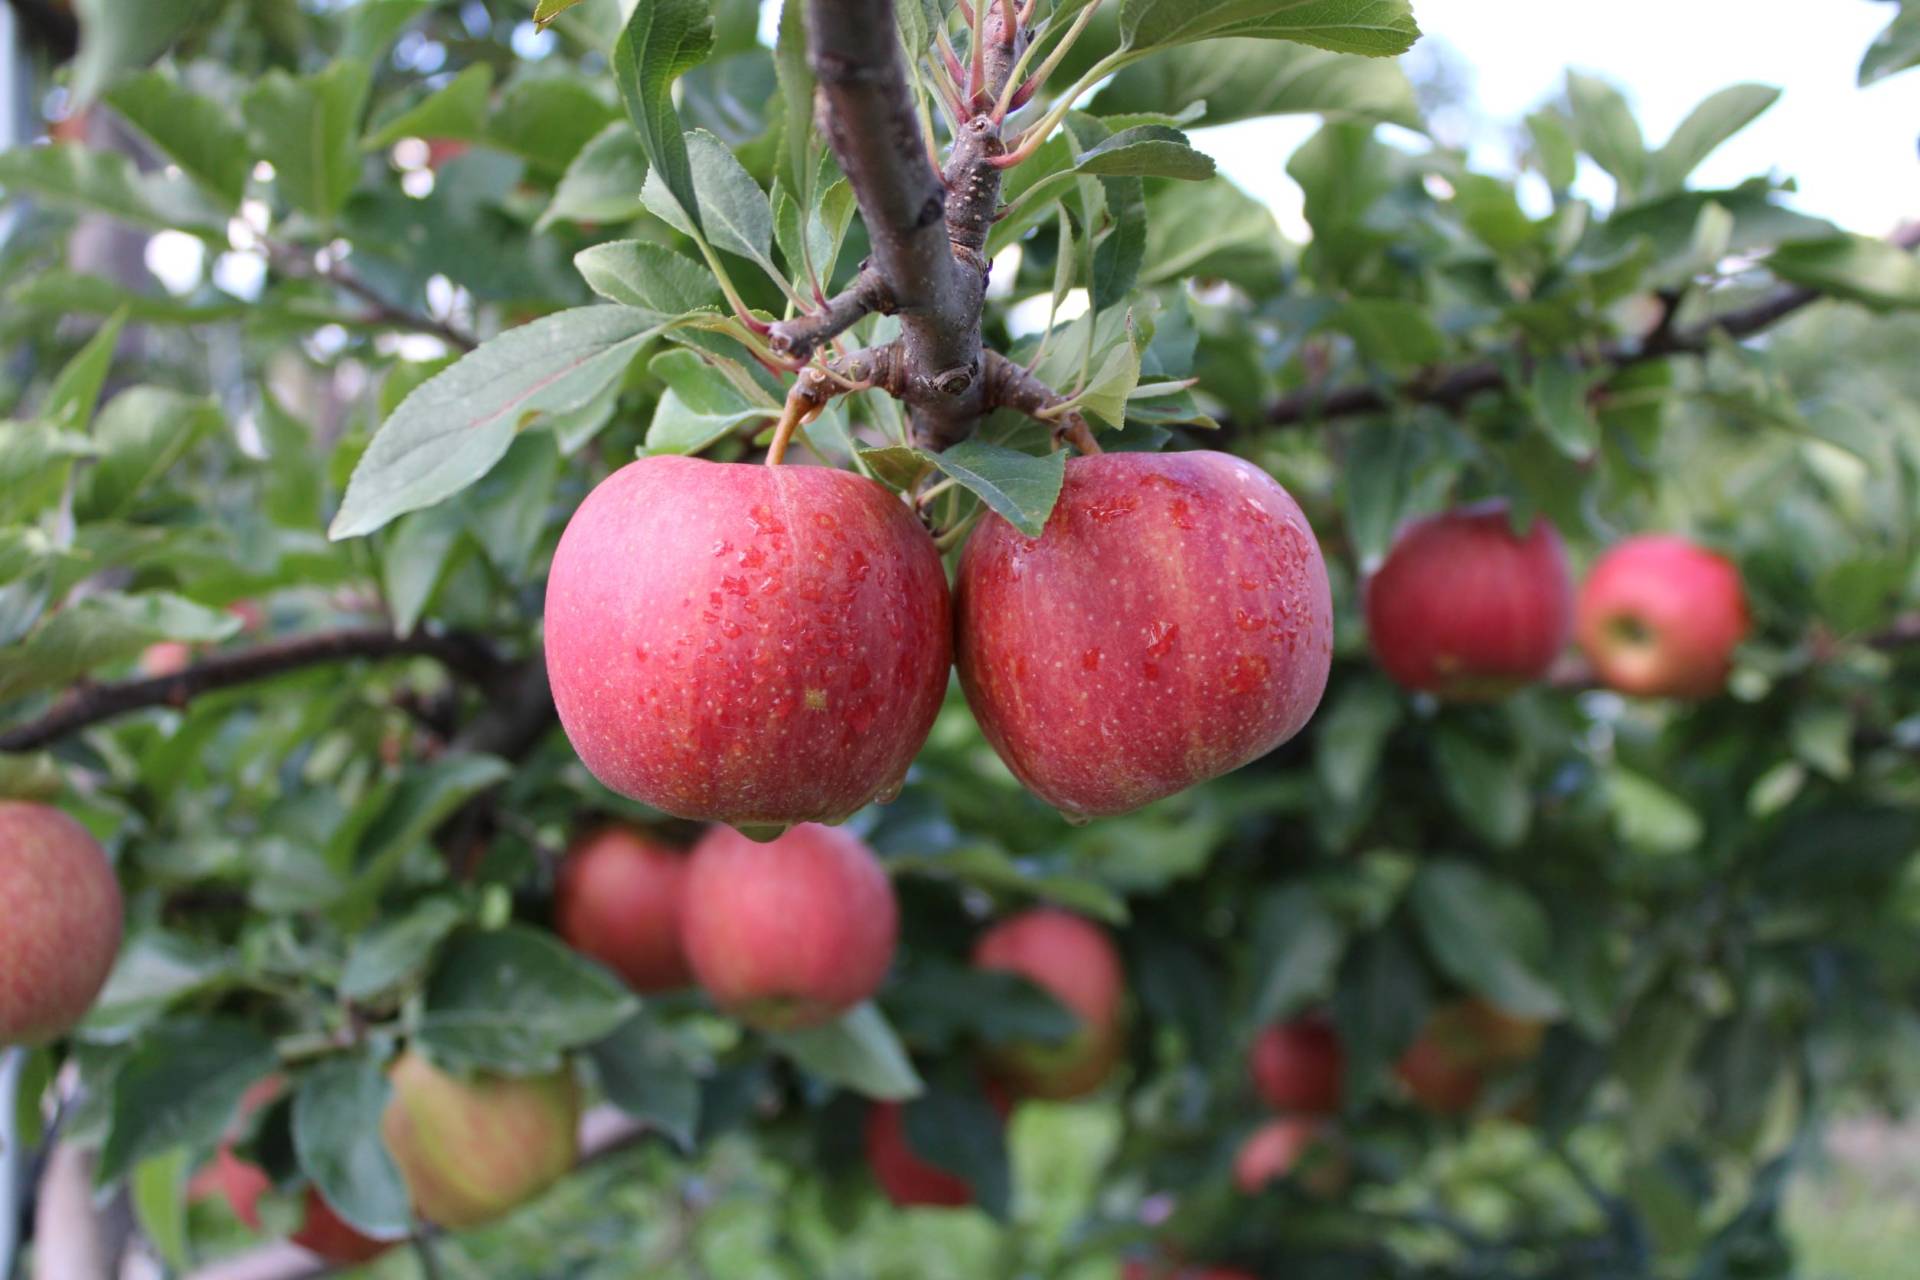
[[309, 263]]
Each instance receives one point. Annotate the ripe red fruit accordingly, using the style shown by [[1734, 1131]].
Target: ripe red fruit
[[1077, 963], [906, 1178], [618, 900], [1139, 1269], [1464, 608], [1299, 1066], [1277, 1148], [62, 912], [1171, 624], [472, 1150], [1446, 1066], [1661, 617], [322, 1232], [754, 645], [791, 933], [167, 658]]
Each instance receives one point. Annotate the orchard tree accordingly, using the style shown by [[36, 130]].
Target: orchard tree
[[713, 648]]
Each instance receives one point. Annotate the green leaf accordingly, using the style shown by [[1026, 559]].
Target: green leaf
[[119, 34], [142, 433], [1822, 736], [398, 820], [1377, 28], [649, 1074], [1020, 487], [898, 466], [1149, 151], [603, 182], [515, 999], [1350, 736], [1395, 334], [638, 273], [662, 40], [416, 557], [336, 1136], [1894, 50], [1605, 129], [734, 212], [1244, 79], [158, 1189], [102, 630], [392, 952], [194, 132], [75, 392], [308, 129], [457, 111], [1709, 125], [859, 1052], [1379, 480], [155, 969], [1379, 1003], [373, 25], [452, 429], [1558, 393], [1210, 229], [1297, 945], [547, 10], [964, 1135], [70, 176], [1650, 818], [1487, 788], [180, 1087], [548, 120], [1488, 935], [1554, 151], [700, 405], [1867, 271]]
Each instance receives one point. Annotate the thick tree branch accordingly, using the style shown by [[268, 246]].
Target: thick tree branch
[[1451, 388], [88, 705], [927, 229], [1011, 386], [803, 335]]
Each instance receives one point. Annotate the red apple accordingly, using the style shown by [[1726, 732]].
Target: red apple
[[1075, 961], [1171, 624], [1465, 608], [1140, 1269], [1277, 1149], [167, 658], [1446, 1066], [749, 644], [1661, 617], [322, 1232], [61, 913], [472, 1150], [618, 900], [904, 1176], [791, 933], [1299, 1066]]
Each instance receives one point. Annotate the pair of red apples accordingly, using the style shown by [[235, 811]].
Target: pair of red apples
[[1464, 607], [770, 645]]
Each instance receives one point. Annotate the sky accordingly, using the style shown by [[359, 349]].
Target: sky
[[1853, 151]]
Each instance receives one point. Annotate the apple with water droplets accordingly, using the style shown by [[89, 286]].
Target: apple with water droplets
[[60, 922], [1465, 608], [618, 899], [1171, 623], [747, 644], [1660, 617], [791, 933]]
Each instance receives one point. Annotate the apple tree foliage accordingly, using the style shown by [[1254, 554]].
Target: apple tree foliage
[[456, 269]]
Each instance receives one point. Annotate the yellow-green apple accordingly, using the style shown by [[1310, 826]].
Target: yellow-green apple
[[1076, 962], [749, 644], [1465, 608], [1660, 617], [61, 908], [617, 899], [1299, 1067], [471, 1150], [1171, 623], [1283, 1147], [791, 933]]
